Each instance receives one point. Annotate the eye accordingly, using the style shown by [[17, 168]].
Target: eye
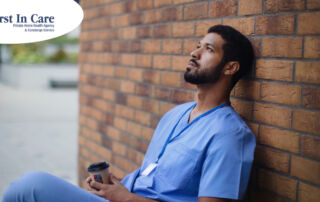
[[198, 46], [209, 49]]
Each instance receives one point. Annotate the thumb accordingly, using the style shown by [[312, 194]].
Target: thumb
[[114, 180]]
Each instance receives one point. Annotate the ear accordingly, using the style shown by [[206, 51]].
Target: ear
[[231, 68]]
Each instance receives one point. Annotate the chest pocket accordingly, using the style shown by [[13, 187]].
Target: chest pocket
[[177, 166]]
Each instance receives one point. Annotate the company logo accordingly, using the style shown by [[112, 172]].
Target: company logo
[[28, 21]]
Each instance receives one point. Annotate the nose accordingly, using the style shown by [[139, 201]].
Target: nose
[[196, 54]]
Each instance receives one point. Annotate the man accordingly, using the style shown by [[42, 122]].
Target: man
[[200, 151]]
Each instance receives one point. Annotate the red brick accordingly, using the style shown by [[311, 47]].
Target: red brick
[[254, 128], [308, 193], [134, 128], [125, 112], [312, 47], [171, 79], [280, 24], [282, 47], [119, 148], [162, 3], [128, 33], [280, 93], [172, 14], [262, 196], [143, 89], [308, 72], [272, 159], [136, 18], [189, 45], [313, 4], [274, 115], [144, 4], [121, 72], [144, 60], [152, 16], [203, 26], [116, 8], [162, 62], [249, 7], [161, 93], [162, 31], [128, 59], [281, 139], [144, 32], [182, 1], [152, 46], [151, 77], [273, 6], [179, 63], [127, 86], [135, 74], [165, 107], [248, 89], [143, 117], [277, 183], [120, 123], [122, 20], [134, 101], [307, 121], [305, 169], [183, 29], [308, 23], [172, 46], [130, 6], [151, 106], [195, 11], [311, 97], [146, 133], [223, 8], [310, 147], [244, 25], [244, 108], [274, 69]]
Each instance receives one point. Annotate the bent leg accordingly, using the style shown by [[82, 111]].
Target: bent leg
[[38, 186]]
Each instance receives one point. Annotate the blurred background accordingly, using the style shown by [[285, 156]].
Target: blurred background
[[39, 108]]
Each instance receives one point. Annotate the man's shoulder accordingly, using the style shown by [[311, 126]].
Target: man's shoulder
[[230, 122]]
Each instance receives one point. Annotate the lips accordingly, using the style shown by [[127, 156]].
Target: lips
[[192, 64]]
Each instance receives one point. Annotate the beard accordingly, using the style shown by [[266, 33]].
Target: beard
[[206, 76]]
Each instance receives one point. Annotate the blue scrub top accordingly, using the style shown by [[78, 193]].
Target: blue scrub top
[[211, 158]]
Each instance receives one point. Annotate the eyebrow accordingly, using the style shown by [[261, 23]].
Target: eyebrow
[[208, 44]]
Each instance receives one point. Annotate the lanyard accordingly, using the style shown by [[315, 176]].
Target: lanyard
[[185, 128]]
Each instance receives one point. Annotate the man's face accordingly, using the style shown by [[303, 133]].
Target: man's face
[[206, 63]]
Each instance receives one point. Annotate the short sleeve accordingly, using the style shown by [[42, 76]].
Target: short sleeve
[[226, 168]]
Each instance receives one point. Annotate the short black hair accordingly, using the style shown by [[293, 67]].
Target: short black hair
[[237, 47]]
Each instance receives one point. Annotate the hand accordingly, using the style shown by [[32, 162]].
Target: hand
[[114, 191]]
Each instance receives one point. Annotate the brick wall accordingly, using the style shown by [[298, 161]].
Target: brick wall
[[134, 53]]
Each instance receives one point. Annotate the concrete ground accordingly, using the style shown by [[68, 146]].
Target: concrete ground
[[38, 131]]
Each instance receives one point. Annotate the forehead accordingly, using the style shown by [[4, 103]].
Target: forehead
[[214, 39]]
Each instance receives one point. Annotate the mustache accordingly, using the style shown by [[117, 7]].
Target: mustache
[[195, 62]]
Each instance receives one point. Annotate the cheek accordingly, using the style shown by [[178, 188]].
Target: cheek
[[209, 61]]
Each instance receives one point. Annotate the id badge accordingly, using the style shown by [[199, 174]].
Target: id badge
[[149, 169]]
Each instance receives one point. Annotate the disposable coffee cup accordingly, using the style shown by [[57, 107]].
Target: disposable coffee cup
[[99, 172]]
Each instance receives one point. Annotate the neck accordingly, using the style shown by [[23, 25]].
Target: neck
[[212, 95]]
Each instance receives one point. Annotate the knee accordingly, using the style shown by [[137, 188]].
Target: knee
[[26, 187]]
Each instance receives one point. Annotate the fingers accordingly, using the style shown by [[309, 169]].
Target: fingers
[[114, 180], [96, 185], [88, 180], [98, 193]]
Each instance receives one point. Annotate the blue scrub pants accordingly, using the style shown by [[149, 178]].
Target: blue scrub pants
[[38, 186]]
